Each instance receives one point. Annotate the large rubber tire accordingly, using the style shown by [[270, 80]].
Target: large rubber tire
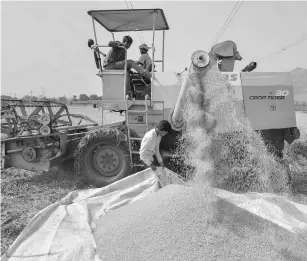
[[103, 157]]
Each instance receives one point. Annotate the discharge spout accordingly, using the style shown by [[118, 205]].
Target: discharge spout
[[201, 63]]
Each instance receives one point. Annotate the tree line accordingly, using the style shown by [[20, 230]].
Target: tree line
[[62, 99], [299, 105]]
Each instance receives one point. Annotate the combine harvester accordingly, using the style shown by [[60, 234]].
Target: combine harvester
[[105, 155]]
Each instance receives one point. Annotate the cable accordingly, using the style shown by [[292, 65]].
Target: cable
[[127, 4], [227, 22], [140, 34], [230, 19], [141, 39], [303, 38], [224, 23]]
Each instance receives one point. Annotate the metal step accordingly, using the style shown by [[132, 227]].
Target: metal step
[[149, 112], [135, 111], [138, 165], [135, 138], [135, 124]]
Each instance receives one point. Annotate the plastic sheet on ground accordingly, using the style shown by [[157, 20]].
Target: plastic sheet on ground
[[64, 230]]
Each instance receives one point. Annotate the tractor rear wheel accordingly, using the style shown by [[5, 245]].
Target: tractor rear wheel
[[103, 157]]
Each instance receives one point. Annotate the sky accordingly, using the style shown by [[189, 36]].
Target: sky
[[44, 43]]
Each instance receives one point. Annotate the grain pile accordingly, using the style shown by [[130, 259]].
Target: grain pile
[[182, 223]]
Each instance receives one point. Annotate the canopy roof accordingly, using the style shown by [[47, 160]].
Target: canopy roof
[[130, 19]]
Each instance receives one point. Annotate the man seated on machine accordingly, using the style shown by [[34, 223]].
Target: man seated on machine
[[115, 59], [145, 61]]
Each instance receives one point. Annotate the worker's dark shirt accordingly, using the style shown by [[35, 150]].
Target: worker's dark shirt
[[116, 54]]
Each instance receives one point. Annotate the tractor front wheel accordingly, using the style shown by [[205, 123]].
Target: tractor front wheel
[[104, 158]]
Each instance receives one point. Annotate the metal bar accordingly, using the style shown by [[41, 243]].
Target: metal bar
[[30, 137], [74, 139], [97, 45], [14, 151], [153, 50], [138, 165], [133, 138], [163, 51], [36, 147], [77, 134], [100, 68], [75, 127], [158, 61], [125, 73], [95, 35], [128, 129], [113, 36], [146, 109]]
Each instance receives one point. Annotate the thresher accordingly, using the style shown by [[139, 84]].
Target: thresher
[[108, 153], [39, 134]]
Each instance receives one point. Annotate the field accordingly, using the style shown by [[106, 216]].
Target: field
[[24, 193]]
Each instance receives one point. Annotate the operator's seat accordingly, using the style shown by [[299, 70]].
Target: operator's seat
[[139, 87]]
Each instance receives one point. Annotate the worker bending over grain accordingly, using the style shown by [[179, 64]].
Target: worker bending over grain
[[149, 151]]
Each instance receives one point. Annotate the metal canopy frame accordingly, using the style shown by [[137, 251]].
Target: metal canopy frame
[[154, 13], [125, 20]]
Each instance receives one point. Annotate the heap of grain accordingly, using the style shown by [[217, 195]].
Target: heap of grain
[[184, 223]]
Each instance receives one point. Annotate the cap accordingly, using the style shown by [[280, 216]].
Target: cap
[[144, 46]]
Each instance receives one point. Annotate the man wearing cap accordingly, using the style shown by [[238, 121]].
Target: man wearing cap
[[145, 61]]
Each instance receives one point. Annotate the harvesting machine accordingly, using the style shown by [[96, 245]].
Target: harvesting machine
[[107, 153]]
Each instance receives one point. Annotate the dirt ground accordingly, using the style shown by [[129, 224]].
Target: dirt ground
[[25, 193]]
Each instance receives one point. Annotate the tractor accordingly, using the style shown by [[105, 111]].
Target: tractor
[[107, 153]]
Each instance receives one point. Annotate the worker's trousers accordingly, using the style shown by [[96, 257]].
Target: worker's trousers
[[130, 65]]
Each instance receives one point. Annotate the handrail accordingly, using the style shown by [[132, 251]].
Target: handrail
[[94, 46], [125, 71]]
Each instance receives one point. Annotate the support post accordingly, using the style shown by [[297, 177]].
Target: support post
[[163, 51], [153, 49], [95, 35]]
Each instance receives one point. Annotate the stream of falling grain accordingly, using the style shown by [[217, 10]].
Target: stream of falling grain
[[219, 144]]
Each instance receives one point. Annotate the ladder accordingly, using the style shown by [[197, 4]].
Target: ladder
[[130, 139]]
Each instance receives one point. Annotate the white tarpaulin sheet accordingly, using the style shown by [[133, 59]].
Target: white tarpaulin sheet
[[64, 230]]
